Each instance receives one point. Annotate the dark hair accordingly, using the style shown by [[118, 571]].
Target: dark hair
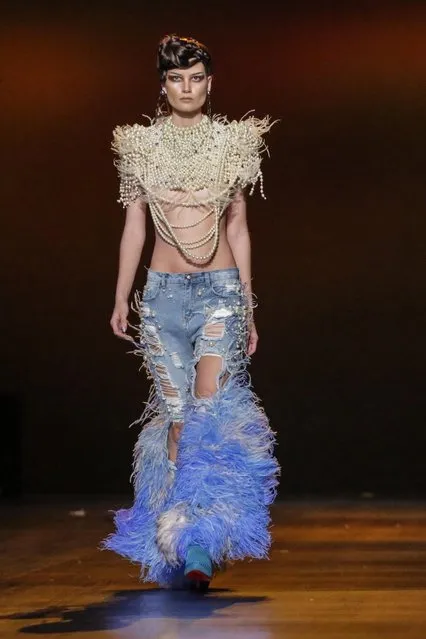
[[182, 53]]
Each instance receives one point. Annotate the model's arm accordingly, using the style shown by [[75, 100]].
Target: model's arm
[[131, 245], [239, 240]]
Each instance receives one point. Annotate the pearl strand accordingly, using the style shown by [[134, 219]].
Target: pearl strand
[[190, 226], [169, 236], [212, 157], [178, 143]]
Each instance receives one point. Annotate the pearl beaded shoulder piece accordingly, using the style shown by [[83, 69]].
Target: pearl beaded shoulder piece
[[205, 164]]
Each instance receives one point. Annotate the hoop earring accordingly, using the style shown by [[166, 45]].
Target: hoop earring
[[209, 105], [162, 107]]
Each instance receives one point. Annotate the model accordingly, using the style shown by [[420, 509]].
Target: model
[[204, 472]]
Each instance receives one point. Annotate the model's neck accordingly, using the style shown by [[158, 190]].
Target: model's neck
[[186, 119]]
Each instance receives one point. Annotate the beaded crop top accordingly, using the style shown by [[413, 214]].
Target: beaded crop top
[[198, 167]]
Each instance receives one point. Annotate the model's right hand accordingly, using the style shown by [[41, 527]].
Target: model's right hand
[[118, 320]]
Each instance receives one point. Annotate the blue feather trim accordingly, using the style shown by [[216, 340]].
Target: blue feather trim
[[226, 479]]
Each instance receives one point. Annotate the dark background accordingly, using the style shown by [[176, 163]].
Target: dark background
[[338, 259]]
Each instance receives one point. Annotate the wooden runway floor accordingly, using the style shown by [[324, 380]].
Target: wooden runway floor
[[337, 570]]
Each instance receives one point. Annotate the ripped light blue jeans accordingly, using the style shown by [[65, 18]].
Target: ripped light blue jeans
[[214, 488], [184, 316]]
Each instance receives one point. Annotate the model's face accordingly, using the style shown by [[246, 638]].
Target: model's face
[[187, 88]]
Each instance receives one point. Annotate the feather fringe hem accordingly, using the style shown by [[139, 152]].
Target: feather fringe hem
[[219, 496]]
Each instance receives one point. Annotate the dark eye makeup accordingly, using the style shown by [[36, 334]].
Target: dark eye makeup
[[176, 78]]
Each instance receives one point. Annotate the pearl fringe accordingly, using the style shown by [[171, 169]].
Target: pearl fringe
[[215, 155]]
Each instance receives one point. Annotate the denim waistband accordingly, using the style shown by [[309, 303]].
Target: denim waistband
[[198, 277]]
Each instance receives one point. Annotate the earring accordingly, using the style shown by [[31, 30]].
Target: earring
[[209, 105], [162, 108]]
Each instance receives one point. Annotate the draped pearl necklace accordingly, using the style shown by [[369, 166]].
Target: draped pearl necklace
[[199, 167], [187, 158]]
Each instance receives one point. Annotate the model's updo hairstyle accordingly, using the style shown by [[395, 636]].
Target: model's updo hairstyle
[[178, 52]]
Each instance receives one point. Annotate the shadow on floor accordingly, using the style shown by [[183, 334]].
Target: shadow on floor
[[155, 610]]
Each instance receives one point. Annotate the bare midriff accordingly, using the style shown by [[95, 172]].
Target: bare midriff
[[168, 258]]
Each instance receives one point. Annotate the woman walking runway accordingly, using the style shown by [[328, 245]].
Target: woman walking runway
[[204, 471]]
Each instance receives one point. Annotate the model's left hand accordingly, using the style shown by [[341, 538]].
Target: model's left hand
[[252, 339]]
